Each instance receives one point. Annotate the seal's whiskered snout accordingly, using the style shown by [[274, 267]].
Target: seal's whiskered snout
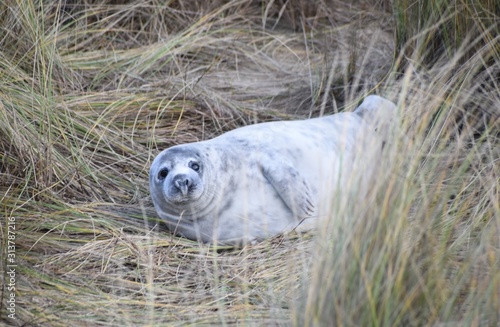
[[183, 183]]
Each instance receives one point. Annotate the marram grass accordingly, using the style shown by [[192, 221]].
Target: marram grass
[[90, 93]]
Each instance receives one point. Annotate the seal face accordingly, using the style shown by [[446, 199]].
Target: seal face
[[179, 177], [261, 180], [177, 180]]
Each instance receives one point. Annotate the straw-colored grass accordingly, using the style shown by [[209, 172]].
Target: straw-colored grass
[[91, 92]]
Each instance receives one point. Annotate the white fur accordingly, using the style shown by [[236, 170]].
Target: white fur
[[261, 180]]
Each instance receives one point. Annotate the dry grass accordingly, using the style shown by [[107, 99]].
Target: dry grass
[[90, 92]]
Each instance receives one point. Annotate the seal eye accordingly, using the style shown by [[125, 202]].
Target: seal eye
[[162, 173], [194, 166]]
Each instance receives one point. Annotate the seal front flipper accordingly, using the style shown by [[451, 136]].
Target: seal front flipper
[[290, 185], [380, 116]]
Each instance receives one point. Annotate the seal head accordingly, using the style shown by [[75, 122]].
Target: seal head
[[178, 181]]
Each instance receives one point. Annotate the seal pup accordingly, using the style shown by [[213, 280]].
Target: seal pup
[[265, 179]]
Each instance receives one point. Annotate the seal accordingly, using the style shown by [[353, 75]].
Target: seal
[[265, 179]]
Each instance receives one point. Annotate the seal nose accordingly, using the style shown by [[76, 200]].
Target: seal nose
[[182, 182]]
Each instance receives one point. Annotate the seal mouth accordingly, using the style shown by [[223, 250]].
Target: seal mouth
[[181, 200], [182, 193]]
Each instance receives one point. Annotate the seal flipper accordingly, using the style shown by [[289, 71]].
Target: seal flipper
[[376, 108], [377, 112], [380, 116], [291, 186]]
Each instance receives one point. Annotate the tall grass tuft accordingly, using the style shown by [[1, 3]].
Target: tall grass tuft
[[438, 30], [422, 248], [91, 92]]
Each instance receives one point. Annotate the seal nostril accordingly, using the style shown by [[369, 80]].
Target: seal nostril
[[182, 182]]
